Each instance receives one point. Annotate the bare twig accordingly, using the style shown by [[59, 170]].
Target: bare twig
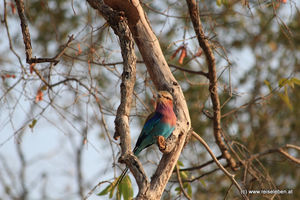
[[188, 70], [22, 177], [27, 40], [229, 175], [201, 166], [279, 150], [79, 168], [9, 37], [212, 75], [93, 189], [202, 175], [180, 183]]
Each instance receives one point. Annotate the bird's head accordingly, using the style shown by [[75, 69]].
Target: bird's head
[[164, 97]]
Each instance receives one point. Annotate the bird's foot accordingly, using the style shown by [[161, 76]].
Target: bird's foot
[[161, 142]]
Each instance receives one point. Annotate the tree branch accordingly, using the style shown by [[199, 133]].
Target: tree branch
[[119, 24], [180, 183], [189, 71], [230, 176], [163, 80], [213, 82], [27, 39], [201, 166], [280, 150]]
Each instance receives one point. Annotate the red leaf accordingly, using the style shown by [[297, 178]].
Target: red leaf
[[31, 67], [79, 50], [39, 96], [199, 53], [12, 6], [176, 52], [182, 55]]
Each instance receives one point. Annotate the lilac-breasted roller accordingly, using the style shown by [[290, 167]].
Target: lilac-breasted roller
[[160, 123]]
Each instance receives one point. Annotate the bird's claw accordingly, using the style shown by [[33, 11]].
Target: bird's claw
[[161, 142]]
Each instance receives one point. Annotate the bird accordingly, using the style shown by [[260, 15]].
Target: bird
[[162, 122]]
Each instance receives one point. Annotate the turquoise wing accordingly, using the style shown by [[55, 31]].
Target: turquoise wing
[[146, 138]]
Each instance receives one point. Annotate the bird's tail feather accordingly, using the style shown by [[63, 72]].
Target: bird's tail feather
[[122, 176]]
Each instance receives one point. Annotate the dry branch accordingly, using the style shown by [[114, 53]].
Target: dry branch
[[213, 82], [279, 150], [162, 78], [27, 39], [180, 182], [119, 24], [230, 176]]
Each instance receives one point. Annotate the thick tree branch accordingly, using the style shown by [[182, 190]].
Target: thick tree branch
[[213, 82], [119, 24], [162, 78]]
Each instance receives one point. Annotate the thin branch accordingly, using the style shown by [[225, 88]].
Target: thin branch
[[201, 166], [229, 175], [279, 150], [9, 38], [180, 183], [188, 70], [79, 167], [175, 16], [27, 39], [227, 192], [93, 189], [213, 82], [202, 175]]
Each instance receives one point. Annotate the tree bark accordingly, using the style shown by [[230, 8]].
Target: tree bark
[[163, 79], [213, 80]]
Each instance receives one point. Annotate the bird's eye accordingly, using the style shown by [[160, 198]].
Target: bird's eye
[[167, 98]]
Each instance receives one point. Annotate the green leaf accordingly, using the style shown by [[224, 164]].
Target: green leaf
[[219, 2], [118, 197], [202, 182], [291, 83], [178, 190], [296, 81], [114, 184], [125, 189], [282, 82], [286, 98], [33, 123], [183, 175], [268, 84], [44, 87], [189, 190], [109, 189], [106, 190], [180, 163]]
